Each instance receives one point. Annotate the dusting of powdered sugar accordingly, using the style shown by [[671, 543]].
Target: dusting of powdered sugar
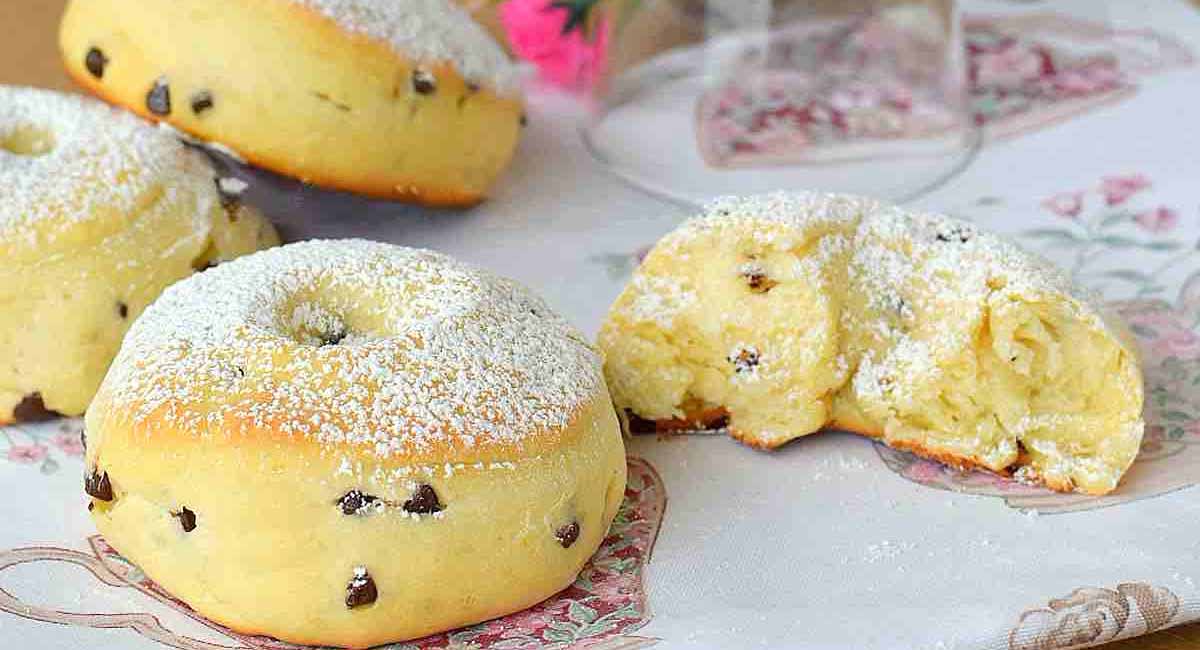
[[901, 263], [354, 343], [428, 31], [93, 162]]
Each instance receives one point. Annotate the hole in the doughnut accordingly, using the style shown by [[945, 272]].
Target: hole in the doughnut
[[314, 324], [27, 140]]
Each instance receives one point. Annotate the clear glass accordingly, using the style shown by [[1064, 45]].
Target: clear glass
[[711, 97]]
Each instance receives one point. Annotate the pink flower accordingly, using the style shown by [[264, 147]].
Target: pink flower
[[1116, 189], [1178, 342], [1008, 67], [1066, 204], [570, 60], [1087, 79], [1160, 219], [27, 454], [1192, 429], [69, 443]]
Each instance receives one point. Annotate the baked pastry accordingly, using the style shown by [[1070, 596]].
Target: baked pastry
[[98, 213], [407, 100], [349, 443], [782, 314]]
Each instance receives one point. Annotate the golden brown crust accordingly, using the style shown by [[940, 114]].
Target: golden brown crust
[[375, 188], [245, 431], [718, 418], [377, 181], [261, 558]]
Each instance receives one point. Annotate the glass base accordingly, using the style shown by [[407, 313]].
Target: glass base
[[652, 134]]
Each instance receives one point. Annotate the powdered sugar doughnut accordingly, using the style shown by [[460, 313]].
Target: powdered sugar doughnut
[[98, 213], [351, 443], [408, 100], [781, 314]]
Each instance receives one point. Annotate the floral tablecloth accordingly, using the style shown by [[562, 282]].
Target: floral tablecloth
[[834, 541]]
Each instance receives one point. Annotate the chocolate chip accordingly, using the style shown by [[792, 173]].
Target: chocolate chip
[[956, 233], [355, 502], [91, 506], [333, 338], [524, 121], [756, 278], [744, 361], [98, 486], [158, 100], [361, 589], [32, 409], [202, 101], [639, 425], [567, 535], [122, 310], [187, 519], [95, 61], [424, 501], [423, 82]]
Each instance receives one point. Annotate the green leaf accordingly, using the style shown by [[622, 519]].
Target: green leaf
[[581, 613], [558, 636], [1144, 332], [1128, 275], [1055, 234], [1115, 218], [1119, 241], [577, 13]]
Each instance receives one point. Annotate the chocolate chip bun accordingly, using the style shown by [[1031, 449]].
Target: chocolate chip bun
[[405, 100], [350, 443], [782, 314], [99, 212]]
